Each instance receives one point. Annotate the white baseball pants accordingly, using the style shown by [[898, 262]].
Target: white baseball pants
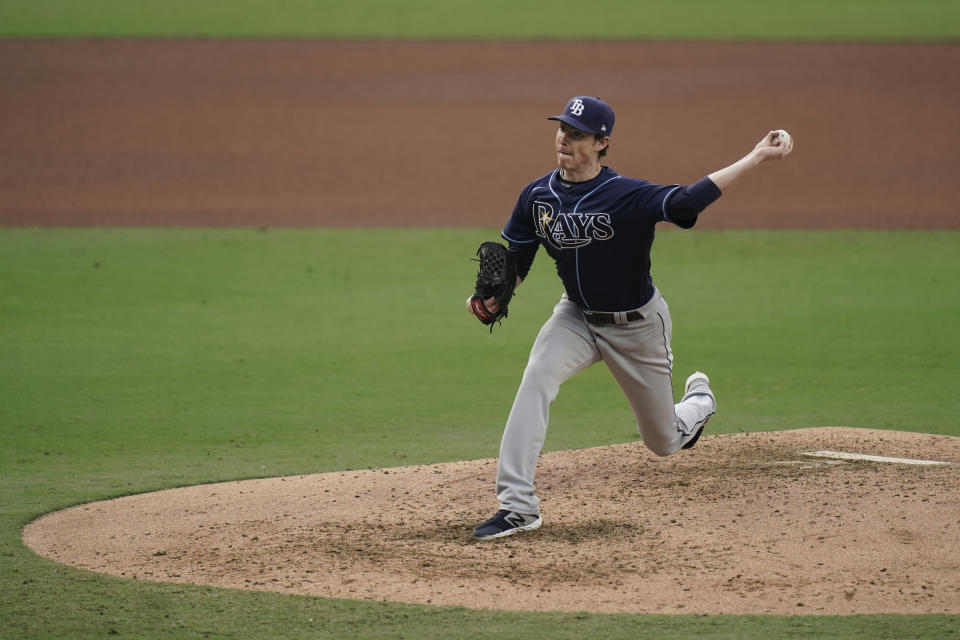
[[639, 356]]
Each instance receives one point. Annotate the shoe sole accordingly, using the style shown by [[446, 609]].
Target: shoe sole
[[509, 532], [696, 375]]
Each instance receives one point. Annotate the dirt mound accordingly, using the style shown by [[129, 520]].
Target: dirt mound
[[740, 524]]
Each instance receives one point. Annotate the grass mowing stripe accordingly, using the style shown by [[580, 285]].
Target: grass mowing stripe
[[676, 19], [137, 359]]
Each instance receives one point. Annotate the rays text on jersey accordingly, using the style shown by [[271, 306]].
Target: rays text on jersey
[[570, 230]]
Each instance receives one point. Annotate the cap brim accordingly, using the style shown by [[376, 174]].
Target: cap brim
[[576, 124]]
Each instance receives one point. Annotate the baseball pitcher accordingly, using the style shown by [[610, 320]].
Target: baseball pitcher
[[598, 226]]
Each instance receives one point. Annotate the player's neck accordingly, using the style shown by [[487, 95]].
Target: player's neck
[[583, 174]]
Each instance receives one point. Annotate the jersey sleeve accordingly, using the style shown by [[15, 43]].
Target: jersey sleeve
[[683, 205], [520, 234], [648, 199], [674, 203]]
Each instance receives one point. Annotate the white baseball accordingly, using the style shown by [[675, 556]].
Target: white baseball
[[782, 137]]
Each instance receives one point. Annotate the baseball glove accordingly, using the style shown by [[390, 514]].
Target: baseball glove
[[496, 279]]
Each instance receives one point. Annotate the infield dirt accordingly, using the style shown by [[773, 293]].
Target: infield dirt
[[300, 133]]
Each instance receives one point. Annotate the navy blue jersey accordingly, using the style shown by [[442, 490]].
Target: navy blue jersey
[[600, 232]]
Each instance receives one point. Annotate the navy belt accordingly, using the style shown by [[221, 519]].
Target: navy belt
[[611, 317]]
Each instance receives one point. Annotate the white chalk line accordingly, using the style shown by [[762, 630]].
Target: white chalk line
[[843, 455]]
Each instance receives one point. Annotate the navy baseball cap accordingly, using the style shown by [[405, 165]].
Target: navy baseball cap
[[592, 115]]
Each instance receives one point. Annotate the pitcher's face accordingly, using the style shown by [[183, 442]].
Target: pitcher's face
[[577, 150]]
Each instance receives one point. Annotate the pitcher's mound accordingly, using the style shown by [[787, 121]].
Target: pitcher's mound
[[740, 524]]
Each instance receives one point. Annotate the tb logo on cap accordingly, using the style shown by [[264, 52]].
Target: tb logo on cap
[[576, 107]]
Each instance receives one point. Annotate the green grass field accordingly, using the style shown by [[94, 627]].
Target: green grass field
[[921, 20], [139, 359]]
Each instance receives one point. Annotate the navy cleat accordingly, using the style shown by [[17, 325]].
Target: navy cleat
[[698, 384], [506, 523]]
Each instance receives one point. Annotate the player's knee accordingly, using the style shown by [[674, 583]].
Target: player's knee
[[662, 449], [661, 443]]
